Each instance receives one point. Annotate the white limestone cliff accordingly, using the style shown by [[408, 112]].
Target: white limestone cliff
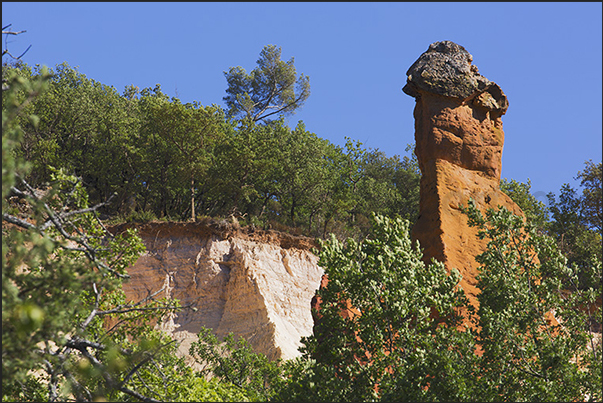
[[255, 284]]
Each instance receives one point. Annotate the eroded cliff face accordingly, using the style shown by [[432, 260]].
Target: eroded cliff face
[[459, 142], [255, 284]]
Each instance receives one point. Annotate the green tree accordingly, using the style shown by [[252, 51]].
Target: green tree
[[245, 166], [191, 131], [378, 336], [592, 195], [576, 223], [85, 128], [67, 330], [162, 186], [535, 210], [370, 182], [304, 176], [567, 220], [271, 88], [233, 362], [389, 186], [389, 327], [532, 328]]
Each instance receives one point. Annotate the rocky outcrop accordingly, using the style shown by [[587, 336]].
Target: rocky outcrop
[[255, 284], [459, 143]]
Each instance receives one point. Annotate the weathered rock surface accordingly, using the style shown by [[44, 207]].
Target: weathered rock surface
[[255, 284], [459, 142]]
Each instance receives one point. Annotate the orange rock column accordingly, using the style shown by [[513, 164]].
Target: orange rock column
[[459, 142]]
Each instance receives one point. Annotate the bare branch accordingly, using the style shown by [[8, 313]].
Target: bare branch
[[17, 221], [5, 50], [134, 370], [4, 32], [85, 210], [148, 357], [95, 309], [82, 346], [295, 101], [124, 310], [138, 395]]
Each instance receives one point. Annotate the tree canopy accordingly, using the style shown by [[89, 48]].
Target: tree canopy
[[174, 161]]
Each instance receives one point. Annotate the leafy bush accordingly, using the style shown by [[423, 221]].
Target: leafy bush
[[391, 327], [234, 363]]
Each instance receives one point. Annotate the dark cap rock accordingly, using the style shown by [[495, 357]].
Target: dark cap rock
[[446, 69]]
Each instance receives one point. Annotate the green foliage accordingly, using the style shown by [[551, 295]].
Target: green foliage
[[592, 195], [576, 224], [573, 220], [536, 211], [375, 183], [393, 349], [306, 178], [156, 157], [233, 362], [17, 98], [198, 389], [528, 355], [67, 330], [85, 128], [389, 326], [178, 141], [271, 88]]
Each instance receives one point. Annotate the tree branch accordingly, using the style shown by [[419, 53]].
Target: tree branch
[[281, 108], [56, 220], [17, 221], [7, 33]]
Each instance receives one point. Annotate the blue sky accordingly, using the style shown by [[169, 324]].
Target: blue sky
[[545, 56]]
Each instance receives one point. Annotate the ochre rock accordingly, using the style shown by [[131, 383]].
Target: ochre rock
[[459, 142], [442, 228], [255, 284]]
